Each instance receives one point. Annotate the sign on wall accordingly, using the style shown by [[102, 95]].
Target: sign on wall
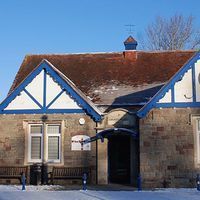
[[78, 145]]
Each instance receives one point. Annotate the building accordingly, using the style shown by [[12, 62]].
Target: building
[[139, 110]]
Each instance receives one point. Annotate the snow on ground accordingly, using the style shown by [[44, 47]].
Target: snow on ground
[[13, 192], [32, 188]]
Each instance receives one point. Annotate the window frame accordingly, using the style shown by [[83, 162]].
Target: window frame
[[44, 143], [47, 143], [198, 139], [30, 140]]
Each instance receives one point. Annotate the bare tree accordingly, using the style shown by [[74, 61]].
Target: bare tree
[[177, 32]]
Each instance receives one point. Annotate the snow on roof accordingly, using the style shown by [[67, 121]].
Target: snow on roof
[[107, 77]]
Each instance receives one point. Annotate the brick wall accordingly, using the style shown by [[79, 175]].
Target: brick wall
[[167, 148]]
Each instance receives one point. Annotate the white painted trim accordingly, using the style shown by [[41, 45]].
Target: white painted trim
[[54, 134], [36, 87], [65, 102], [29, 143], [44, 143], [22, 101], [52, 89], [76, 143], [183, 88], [198, 139], [167, 97], [197, 78]]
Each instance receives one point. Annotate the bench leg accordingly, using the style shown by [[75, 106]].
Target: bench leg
[[52, 183]]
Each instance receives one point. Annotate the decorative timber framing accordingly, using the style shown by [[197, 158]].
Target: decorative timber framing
[[83, 104], [190, 101]]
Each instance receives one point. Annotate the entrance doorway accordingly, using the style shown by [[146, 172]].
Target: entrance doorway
[[119, 159]]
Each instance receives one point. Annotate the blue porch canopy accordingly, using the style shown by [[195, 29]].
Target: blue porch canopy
[[112, 131]]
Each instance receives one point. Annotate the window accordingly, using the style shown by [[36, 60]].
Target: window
[[53, 134], [36, 136], [198, 139], [44, 138]]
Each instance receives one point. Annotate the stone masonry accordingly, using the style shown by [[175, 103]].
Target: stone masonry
[[168, 148], [14, 144]]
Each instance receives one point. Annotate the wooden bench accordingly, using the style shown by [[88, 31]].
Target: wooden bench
[[69, 173], [7, 172]]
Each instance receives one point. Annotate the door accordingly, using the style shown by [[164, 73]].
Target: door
[[119, 159]]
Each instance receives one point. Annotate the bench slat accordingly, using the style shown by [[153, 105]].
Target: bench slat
[[69, 172], [12, 172]]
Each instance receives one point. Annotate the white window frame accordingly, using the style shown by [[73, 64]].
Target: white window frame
[[57, 135], [198, 139], [29, 142], [44, 142]]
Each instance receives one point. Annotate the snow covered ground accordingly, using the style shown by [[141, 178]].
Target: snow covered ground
[[13, 192]]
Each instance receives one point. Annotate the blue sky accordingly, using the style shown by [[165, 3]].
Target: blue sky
[[72, 26]]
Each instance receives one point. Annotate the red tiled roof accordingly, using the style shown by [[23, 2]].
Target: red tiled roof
[[106, 76]]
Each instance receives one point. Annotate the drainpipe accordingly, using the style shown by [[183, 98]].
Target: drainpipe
[[96, 156], [139, 172]]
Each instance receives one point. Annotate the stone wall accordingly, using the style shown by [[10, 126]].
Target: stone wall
[[168, 148], [14, 145]]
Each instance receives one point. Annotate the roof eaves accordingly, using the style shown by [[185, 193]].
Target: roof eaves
[[73, 86], [150, 104]]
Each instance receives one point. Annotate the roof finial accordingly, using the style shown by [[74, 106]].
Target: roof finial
[[130, 28], [130, 43]]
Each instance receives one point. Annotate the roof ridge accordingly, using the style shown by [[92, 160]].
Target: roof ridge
[[119, 52], [60, 54]]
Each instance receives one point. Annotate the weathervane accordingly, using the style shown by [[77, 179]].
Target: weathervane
[[130, 28]]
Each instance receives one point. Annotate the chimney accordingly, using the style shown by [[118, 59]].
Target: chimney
[[130, 43]]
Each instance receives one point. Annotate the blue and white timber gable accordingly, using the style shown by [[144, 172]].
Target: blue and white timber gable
[[47, 90], [182, 90]]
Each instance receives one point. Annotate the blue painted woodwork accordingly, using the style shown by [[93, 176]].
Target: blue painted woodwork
[[23, 180], [173, 97], [45, 89], [42, 111], [105, 133], [130, 43], [57, 96], [139, 182], [84, 181], [48, 69], [20, 88], [130, 46], [32, 98], [170, 85], [193, 84], [198, 182]]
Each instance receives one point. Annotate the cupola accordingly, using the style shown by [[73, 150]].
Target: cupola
[[130, 43]]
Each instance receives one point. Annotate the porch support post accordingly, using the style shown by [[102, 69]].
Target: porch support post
[[102, 161], [45, 143]]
